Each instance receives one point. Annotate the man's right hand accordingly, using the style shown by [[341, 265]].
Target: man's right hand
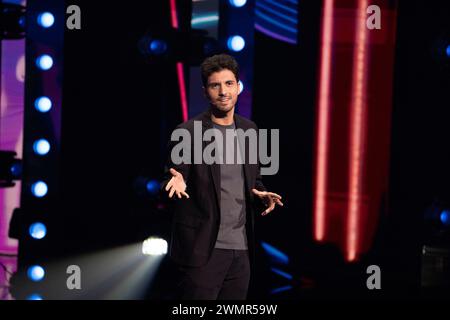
[[176, 185]]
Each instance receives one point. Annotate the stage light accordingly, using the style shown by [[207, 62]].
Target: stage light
[[447, 51], [22, 22], [203, 20], [36, 273], [46, 19], [158, 47], [10, 168], [282, 273], [241, 86], [445, 217], [41, 147], [153, 187], [34, 296], [43, 104], [178, 46], [44, 62], [236, 43], [238, 3], [16, 170], [39, 189], [154, 246], [275, 254], [280, 289], [12, 21], [38, 230]]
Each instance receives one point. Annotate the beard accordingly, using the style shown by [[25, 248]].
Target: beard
[[222, 108]]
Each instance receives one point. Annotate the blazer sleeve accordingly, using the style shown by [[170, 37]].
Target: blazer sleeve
[[258, 181], [183, 168]]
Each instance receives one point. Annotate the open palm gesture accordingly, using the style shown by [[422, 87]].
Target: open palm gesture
[[176, 185]]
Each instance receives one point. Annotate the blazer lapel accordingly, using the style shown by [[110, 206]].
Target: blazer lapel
[[247, 179], [214, 168]]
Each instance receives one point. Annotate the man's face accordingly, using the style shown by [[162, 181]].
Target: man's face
[[222, 90]]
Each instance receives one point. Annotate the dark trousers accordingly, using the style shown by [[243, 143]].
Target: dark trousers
[[226, 276]]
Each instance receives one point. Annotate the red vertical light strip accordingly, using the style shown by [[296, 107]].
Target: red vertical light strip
[[323, 121], [357, 131], [180, 68], [173, 14], [182, 85]]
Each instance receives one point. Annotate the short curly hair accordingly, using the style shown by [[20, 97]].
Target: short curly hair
[[218, 63]]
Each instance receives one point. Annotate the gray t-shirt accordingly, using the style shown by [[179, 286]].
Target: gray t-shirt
[[232, 233]]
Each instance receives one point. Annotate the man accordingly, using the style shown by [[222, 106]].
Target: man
[[213, 214]]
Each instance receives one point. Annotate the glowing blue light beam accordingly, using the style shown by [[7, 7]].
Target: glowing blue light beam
[[282, 273], [275, 253], [280, 289]]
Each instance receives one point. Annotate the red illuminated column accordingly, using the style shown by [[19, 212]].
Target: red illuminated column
[[180, 67], [354, 103]]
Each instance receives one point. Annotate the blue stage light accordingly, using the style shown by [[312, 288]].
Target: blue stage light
[[445, 217], [236, 43], [39, 189], [44, 62], [275, 254], [43, 104], [238, 3], [41, 147], [153, 187], [282, 273], [38, 230], [36, 273], [46, 20], [280, 289], [16, 169], [158, 47]]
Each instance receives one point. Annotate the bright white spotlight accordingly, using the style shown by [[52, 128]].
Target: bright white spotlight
[[236, 43], [43, 104], [36, 273], [238, 3], [46, 19], [39, 189], [44, 62], [154, 246], [241, 86], [41, 147], [38, 230]]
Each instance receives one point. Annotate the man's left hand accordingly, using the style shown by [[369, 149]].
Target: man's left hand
[[270, 199]]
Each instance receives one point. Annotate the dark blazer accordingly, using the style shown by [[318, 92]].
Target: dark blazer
[[196, 220]]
